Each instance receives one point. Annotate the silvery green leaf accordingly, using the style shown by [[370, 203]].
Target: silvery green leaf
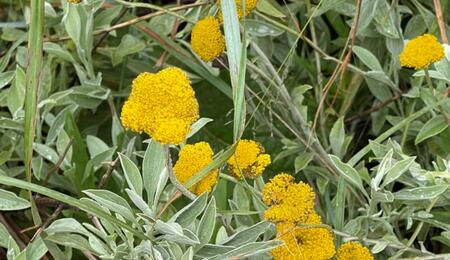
[[212, 250], [302, 161], [367, 58], [349, 173], [397, 170], [260, 28], [47, 152], [379, 246], [189, 254], [199, 124], [4, 236], [66, 225], [247, 235], [139, 202], [112, 202], [153, 172], [385, 197], [431, 128], [6, 78], [16, 93], [421, 193], [337, 137], [10, 201], [384, 166], [189, 213], [58, 51], [207, 223], [249, 249], [70, 240], [95, 145], [170, 228], [36, 249], [132, 174]]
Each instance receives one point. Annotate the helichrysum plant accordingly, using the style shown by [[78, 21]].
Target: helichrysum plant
[[353, 250], [163, 105], [191, 159], [249, 160], [207, 39], [421, 52]]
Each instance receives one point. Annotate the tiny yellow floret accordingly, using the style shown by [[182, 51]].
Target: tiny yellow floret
[[421, 52], [163, 105], [207, 39], [191, 159], [303, 242], [288, 201], [353, 251], [248, 160], [242, 9]]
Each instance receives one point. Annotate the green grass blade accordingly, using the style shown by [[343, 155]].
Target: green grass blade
[[237, 61], [35, 45]]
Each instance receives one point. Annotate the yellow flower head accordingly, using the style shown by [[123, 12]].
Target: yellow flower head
[[353, 251], [163, 105], [421, 52], [288, 201], [307, 243], [74, 1], [207, 39], [249, 160], [191, 159], [249, 6]]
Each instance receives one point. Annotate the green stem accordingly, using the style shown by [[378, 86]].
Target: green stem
[[69, 201], [35, 44], [405, 131]]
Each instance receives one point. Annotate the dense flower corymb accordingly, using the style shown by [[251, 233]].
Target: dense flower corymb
[[249, 160], [288, 201], [191, 159], [242, 10], [421, 52], [163, 105], [207, 39], [308, 243], [353, 251]]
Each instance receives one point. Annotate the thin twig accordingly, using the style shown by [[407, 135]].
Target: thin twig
[[105, 34], [108, 173], [440, 20], [58, 163], [172, 198], [372, 109], [12, 232], [48, 221]]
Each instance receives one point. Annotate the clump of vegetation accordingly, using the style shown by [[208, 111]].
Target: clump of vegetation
[[230, 129]]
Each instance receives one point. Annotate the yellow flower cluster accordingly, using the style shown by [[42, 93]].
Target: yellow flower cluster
[[249, 160], [163, 105], [207, 39], [353, 251], [308, 243], [288, 201], [191, 159], [292, 204], [249, 6], [421, 52], [74, 1]]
